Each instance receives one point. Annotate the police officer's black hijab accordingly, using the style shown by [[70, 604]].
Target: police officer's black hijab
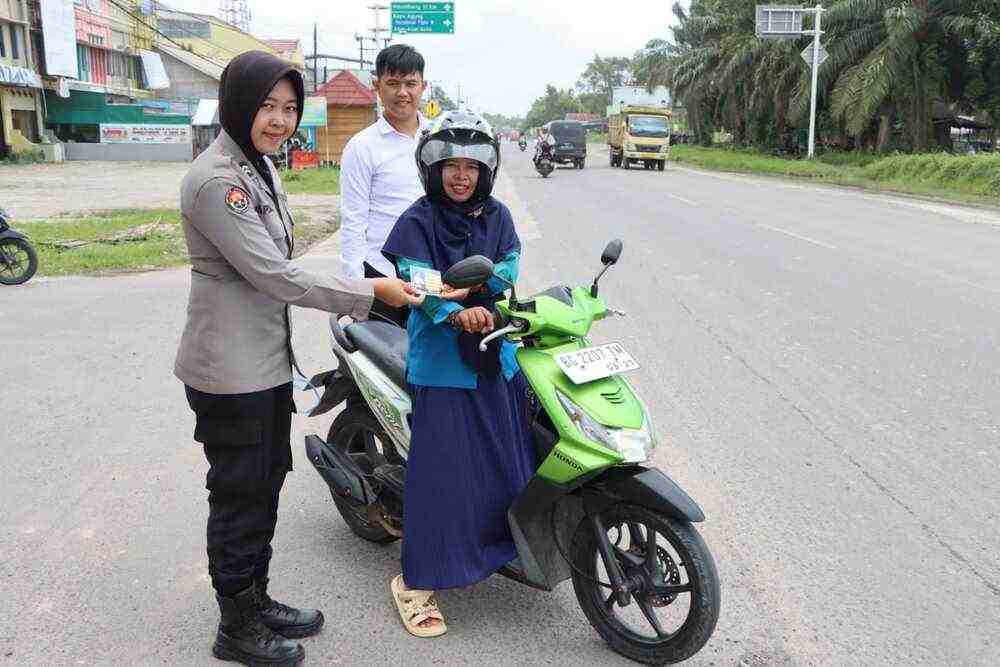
[[245, 84]]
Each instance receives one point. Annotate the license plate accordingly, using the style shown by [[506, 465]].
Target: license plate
[[567, 146], [595, 363]]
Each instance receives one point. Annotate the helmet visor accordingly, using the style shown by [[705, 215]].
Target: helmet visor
[[436, 150]]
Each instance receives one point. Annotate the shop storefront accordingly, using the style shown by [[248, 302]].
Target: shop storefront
[[21, 117]]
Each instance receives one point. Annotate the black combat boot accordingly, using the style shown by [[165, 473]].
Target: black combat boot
[[286, 621], [243, 638]]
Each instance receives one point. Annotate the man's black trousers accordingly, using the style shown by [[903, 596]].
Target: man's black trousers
[[246, 441]]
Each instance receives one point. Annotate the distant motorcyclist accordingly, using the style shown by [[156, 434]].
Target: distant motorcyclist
[[545, 145]]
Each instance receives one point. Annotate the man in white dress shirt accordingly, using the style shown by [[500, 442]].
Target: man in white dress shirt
[[378, 172]]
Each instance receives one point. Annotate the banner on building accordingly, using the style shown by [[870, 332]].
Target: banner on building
[[156, 73], [314, 113], [125, 133], [19, 76], [207, 113], [59, 35]]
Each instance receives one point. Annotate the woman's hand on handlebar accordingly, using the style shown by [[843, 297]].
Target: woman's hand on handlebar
[[474, 320], [396, 292]]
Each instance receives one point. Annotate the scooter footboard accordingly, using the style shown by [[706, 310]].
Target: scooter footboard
[[531, 522]]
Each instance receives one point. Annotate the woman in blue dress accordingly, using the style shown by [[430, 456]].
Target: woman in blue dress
[[471, 451]]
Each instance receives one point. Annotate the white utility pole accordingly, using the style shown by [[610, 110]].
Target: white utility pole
[[378, 29], [815, 79]]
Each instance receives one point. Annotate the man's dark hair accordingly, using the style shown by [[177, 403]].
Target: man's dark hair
[[399, 59]]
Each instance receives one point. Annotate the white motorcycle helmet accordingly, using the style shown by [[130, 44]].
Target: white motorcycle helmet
[[458, 134]]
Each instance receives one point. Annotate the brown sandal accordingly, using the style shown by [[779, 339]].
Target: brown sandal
[[415, 607]]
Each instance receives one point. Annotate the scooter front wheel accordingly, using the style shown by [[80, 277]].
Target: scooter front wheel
[[18, 261], [674, 604]]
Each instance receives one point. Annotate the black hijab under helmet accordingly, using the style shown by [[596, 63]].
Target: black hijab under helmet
[[245, 84]]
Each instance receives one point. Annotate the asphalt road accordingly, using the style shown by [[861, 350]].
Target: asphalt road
[[821, 365]]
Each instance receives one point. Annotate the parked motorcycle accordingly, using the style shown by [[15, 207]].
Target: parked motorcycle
[[593, 513], [18, 259]]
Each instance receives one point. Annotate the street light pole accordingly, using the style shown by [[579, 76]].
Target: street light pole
[[815, 80]]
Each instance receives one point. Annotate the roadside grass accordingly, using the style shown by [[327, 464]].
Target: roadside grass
[[970, 175], [319, 181], [159, 244], [752, 162], [130, 240], [597, 137], [852, 159], [974, 179]]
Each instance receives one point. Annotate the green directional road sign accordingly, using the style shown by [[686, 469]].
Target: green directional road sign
[[423, 17]]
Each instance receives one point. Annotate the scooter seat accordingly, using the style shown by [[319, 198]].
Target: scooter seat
[[385, 344]]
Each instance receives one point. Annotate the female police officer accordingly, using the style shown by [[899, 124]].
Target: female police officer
[[235, 355]]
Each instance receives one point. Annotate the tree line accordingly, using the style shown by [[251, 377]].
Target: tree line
[[895, 67]]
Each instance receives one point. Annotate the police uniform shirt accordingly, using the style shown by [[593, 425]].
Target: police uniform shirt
[[240, 238]]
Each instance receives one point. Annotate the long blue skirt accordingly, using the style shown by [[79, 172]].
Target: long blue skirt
[[471, 454]]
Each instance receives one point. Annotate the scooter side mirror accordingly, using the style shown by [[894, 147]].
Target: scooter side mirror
[[612, 252], [469, 272]]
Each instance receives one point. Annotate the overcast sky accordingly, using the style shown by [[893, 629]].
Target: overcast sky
[[503, 52]]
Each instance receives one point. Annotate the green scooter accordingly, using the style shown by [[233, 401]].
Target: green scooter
[[593, 513]]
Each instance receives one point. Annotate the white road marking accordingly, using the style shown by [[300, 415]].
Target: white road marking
[[686, 201], [798, 236]]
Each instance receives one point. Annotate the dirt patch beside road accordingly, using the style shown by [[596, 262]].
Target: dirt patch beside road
[[41, 191]]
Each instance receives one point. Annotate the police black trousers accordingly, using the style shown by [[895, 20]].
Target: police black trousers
[[246, 438]]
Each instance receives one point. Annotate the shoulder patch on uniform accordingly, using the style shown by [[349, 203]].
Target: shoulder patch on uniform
[[238, 200]]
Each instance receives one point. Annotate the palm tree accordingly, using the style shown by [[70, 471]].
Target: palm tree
[[724, 74], [892, 55]]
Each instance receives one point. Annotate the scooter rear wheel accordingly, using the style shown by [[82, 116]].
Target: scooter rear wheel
[[675, 604], [349, 432]]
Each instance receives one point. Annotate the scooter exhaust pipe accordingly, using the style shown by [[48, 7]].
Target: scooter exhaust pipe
[[339, 470]]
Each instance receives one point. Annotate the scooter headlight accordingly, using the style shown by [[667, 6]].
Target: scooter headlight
[[635, 445]]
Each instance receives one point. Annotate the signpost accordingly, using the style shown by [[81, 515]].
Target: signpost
[[785, 22], [423, 17], [432, 109]]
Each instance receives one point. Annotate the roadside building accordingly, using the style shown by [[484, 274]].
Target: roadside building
[[192, 76], [21, 118], [210, 36], [288, 49], [350, 108], [101, 105], [195, 49]]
